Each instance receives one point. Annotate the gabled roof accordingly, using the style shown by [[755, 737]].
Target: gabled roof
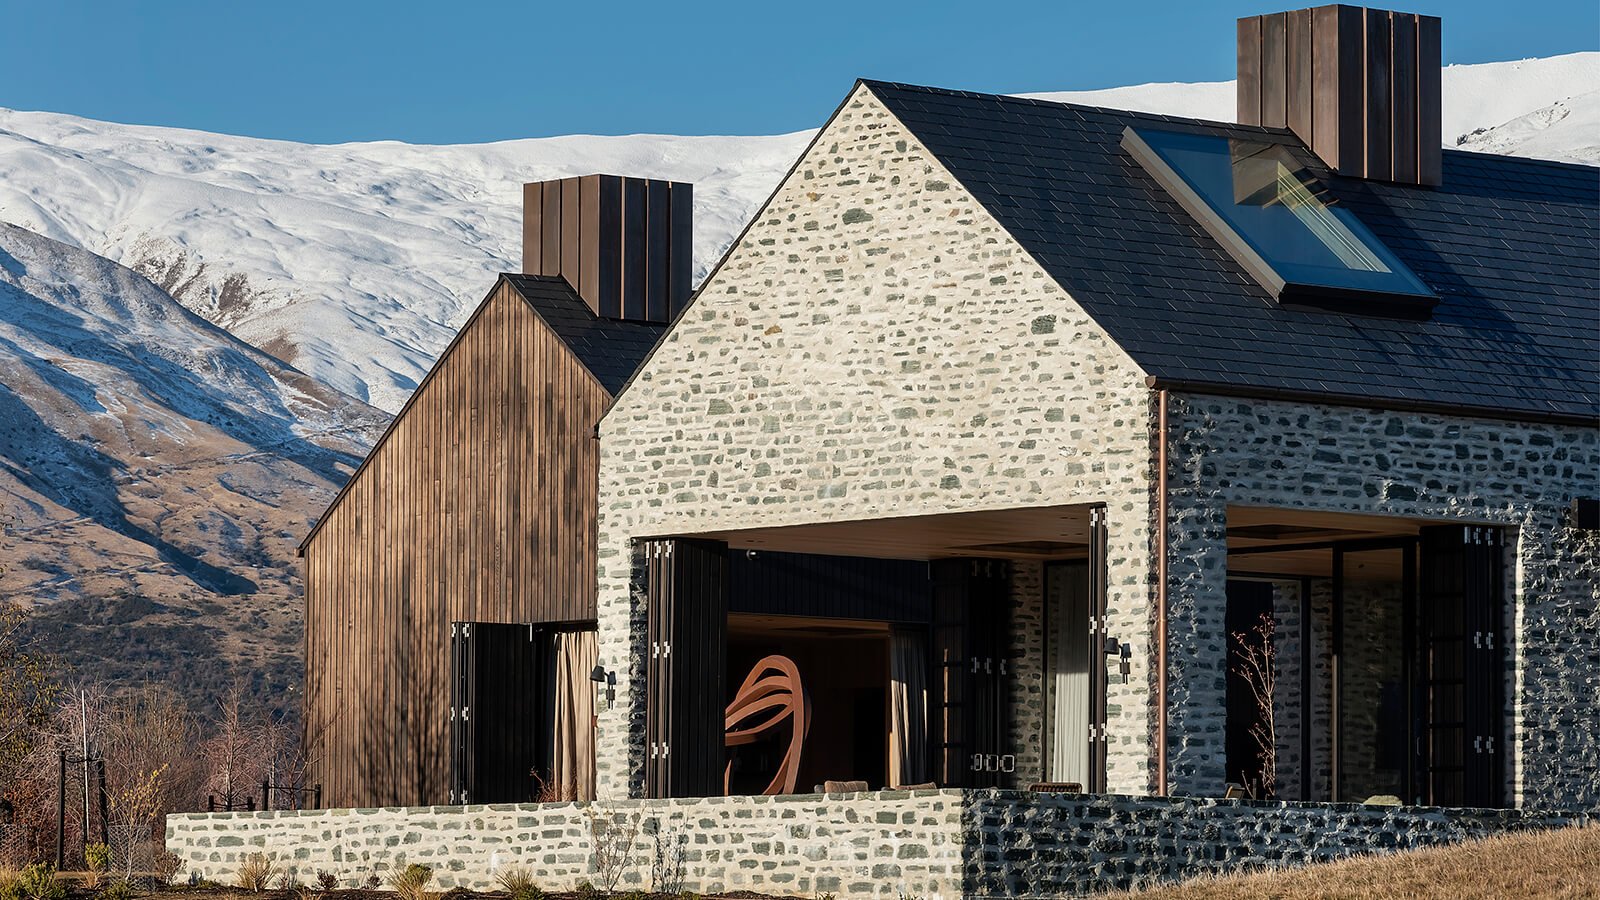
[[1510, 245], [609, 349]]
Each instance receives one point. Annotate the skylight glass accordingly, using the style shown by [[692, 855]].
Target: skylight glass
[[1280, 223]]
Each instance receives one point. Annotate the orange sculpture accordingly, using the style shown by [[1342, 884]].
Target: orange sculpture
[[770, 696]]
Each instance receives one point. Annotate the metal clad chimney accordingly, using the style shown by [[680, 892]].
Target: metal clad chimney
[[1359, 86], [624, 244]]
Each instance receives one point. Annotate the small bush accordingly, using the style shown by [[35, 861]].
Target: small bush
[[517, 881], [116, 890], [327, 881], [587, 891], [10, 884], [255, 873], [635, 895], [457, 893], [96, 859], [372, 882], [411, 883], [168, 866], [288, 882], [38, 882]]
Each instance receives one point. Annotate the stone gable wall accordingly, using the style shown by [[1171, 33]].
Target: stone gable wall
[[876, 345], [1226, 451]]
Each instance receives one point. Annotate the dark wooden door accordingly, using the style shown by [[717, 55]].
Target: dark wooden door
[[500, 713], [686, 585], [973, 671], [1101, 641], [1461, 597]]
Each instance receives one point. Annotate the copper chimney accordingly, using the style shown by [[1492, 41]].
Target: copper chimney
[[624, 244], [1359, 86]]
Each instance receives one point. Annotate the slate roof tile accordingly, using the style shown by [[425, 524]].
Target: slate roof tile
[[1511, 245], [611, 349]]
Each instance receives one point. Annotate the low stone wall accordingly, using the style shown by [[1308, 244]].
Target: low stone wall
[[1044, 845], [929, 845], [884, 844]]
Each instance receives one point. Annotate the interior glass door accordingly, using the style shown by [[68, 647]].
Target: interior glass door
[[1067, 659], [1372, 661]]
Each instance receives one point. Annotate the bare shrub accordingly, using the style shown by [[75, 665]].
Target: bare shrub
[[167, 867], [1258, 666], [611, 839], [255, 873]]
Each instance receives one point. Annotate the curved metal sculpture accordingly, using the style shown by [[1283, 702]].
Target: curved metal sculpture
[[770, 696]]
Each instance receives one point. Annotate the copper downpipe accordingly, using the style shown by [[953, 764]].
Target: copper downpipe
[[1161, 592]]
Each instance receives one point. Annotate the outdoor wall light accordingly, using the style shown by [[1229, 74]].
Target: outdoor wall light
[[607, 680]]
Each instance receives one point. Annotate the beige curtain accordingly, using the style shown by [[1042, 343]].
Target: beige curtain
[[908, 689], [572, 756], [1067, 678]]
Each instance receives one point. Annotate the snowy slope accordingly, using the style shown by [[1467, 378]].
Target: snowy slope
[[147, 454], [356, 262]]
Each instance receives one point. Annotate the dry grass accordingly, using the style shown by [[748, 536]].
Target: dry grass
[[1562, 864]]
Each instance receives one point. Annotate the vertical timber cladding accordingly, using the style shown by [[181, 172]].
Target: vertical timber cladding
[[624, 244], [477, 505], [686, 585], [1461, 595], [970, 633]]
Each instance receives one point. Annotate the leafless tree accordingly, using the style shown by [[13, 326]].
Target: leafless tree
[[1257, 665]]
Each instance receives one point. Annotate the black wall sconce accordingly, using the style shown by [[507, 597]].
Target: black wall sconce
[[1123, 653], [606, 680]]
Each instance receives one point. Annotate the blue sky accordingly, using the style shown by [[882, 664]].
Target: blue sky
[[463, 71]]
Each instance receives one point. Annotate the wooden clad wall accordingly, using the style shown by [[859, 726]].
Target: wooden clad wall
[[478, 505]]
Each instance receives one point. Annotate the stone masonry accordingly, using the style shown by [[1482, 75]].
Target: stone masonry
[[888, 844], [875, 345], [1227, 451], [933, 845]]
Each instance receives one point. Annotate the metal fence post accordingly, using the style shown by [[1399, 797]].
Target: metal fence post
[[105, 832], [61, 813], [266, 794], [316, 793]]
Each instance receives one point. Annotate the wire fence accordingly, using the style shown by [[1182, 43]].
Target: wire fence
[[132, 850], [16, 846]]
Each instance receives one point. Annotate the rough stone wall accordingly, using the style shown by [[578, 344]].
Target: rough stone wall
[[875, 345], [1523, 475], [936, 845], [1028, 714], [889, 844], [1044, 845]]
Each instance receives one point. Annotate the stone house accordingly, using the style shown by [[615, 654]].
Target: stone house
[[1090, 470], [1147, 398]]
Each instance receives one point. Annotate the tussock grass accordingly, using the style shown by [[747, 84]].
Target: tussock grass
[[1562, 864]]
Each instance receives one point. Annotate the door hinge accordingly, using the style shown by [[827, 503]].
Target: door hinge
[[464, 713]]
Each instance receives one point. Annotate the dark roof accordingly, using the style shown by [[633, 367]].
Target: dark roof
[[1510, 245], [611, 349]]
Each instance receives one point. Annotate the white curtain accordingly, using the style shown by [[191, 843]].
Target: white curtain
[[1068, 657], [572, 756], [908, 688]]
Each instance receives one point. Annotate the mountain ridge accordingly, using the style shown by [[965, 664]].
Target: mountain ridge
[[356, 262]]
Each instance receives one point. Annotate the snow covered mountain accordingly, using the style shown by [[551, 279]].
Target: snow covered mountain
[[156, 472], [356, 262]]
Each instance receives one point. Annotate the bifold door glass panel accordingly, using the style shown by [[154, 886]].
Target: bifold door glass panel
[[1273, 215]]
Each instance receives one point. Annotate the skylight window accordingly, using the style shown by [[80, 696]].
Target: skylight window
[[1280, 223]]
